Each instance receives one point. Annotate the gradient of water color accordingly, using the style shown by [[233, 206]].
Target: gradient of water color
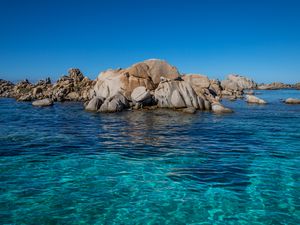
[[62, 165]]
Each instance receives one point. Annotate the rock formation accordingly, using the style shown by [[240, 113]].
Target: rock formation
[[234, 86], [152, 82], [274, 86]]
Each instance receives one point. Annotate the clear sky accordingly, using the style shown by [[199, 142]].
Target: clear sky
[[260, 39]]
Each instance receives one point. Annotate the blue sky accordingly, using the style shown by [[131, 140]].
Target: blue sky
[[260, 39]]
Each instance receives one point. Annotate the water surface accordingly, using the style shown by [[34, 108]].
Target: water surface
[[62, 165]]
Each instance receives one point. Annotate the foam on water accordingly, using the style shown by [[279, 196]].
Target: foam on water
[[62, 165]]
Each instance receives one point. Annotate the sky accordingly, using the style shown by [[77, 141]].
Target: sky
[[259, 39]]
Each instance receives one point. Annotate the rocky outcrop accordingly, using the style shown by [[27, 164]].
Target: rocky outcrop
[[177, 94], [124, 81], [254, 100], [6, 88], [234, 86], [43, 102], [292, 101], [94, 104], [296, 86], [274, 86], [74, 87]]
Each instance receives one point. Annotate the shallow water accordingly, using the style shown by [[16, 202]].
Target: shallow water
[[62, 165]]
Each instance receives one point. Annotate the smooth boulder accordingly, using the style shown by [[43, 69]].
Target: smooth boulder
[[94, 104], [292, 101], [141, 95], [219, 108], [115, 103], [43, 102], [176, 94], [255, 100]]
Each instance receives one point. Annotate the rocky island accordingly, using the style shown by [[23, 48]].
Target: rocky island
[[145, 85]]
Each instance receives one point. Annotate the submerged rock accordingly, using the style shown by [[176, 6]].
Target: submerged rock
[[255, 100], [43, 102], [292, 101]]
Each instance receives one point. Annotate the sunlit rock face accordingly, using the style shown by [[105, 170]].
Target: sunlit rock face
[[124, 81]]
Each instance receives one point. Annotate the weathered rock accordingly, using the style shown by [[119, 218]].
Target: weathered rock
[[43, 102], [254, 99], [237, 82], [25, 98], [197, 81], [94, 104], [115, 103], [292, 101], [219, 108], [176, 94], [190, 110], [124, 81], [6, 88], [74, 87], [141, 95]]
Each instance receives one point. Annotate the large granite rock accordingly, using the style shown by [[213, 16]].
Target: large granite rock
[[255, 100], [94, 104], [116, 103], [141, 95], [124, 81], [177, 94]]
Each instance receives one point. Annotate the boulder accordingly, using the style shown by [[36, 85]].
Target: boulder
[[176, 94], [254, 99], [292, 101], [219, 108], [94, 104], [115, 103], [43, 102], [25, 98], [141, 95]]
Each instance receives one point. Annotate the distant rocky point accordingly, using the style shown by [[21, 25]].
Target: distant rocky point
[[146, 85]]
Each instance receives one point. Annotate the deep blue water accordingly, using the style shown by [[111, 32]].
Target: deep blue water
[[62, 165]]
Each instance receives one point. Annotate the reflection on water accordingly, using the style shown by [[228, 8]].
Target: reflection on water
[[62, 165]]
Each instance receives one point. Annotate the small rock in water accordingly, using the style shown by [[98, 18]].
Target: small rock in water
[[43, 102], [254, 99], [292, 101], [218, 108]]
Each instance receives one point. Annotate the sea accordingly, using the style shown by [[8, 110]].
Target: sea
[[63, 165]]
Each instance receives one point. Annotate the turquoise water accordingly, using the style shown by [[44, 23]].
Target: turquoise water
[[62, 165]]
